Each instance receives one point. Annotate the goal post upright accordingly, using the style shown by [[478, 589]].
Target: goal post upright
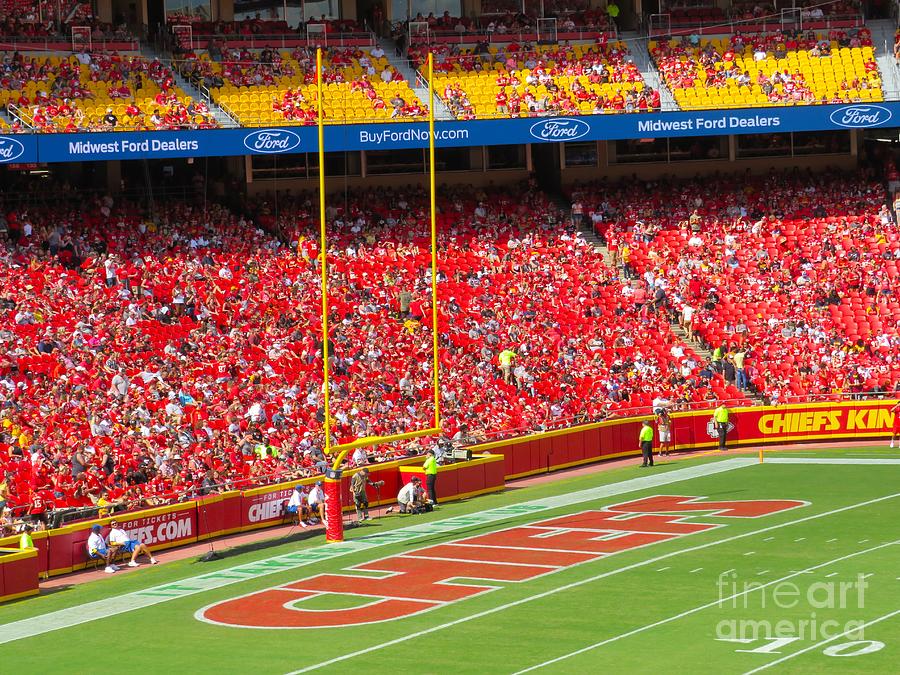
[[334, 522], [434, 270], [333, 505]]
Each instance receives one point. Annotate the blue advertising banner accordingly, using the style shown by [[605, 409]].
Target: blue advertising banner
[[18, 149], [338, 138]]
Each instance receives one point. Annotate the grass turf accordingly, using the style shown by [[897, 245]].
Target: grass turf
[[651, 616]]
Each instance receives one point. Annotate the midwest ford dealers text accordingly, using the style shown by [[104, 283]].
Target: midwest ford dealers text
[[704, 123], [126, 146]]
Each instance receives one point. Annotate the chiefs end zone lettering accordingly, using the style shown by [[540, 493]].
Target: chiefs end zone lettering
[[421, 580]]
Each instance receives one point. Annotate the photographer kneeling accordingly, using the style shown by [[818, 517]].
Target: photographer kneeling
[[411, 498]]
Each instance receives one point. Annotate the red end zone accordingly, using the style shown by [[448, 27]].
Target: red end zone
[[423, 579]]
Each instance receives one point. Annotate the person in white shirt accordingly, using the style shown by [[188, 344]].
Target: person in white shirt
[[316, 500], [360, 458], [298, 510], [120, 541], [97, 548], [411, 497]]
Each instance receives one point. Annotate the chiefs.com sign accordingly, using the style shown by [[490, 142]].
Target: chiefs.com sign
[[261, 508], [165, 528]]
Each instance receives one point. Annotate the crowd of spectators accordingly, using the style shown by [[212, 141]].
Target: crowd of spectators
[[796, 271], [97, 92], [521, 80], [268, 84], [41, 18], [779, 68], [148, 359]]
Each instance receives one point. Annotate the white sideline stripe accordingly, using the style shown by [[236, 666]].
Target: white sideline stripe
[[829, 460], [824, 642], [582, 582], [119, 604], [720, 601]]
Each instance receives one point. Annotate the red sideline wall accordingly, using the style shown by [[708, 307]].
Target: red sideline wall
[[554, 450], [64, 549], [461, 481], [18, 573]]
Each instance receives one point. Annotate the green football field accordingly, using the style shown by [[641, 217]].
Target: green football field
[[705, 565]]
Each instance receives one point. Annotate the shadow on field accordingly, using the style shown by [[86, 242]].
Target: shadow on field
[[294, 536]]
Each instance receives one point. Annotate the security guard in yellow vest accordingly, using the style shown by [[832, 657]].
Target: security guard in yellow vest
[[720, 418], [25, 541], [646, 439], [431, 469]]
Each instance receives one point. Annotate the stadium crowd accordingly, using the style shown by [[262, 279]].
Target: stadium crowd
[[97, 92], [146, 360], [522, 80], [795, 272], [781, 67]]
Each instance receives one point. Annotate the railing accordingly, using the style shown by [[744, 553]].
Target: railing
[[248, 120], [63, 516], [61, 43], [287, 41], [690, 406], [22, 117], [531, 35], [659, 27]]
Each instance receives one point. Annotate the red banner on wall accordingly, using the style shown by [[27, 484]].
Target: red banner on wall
[[850, 420]]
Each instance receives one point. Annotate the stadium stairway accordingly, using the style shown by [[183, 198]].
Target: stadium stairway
[[6, 117], [225, 120], [642, 59], [441, 112], [883, 41], [587, 233]]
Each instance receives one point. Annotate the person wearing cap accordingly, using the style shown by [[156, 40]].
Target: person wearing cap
[[25, 540], [98, 548], [664, 431], [298, 510], [316, 500], [358, 488], [646, 440], [120, 541], [721, 416], [411, 497], [430, 468]]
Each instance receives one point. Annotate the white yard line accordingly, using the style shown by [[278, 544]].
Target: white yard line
[[700, 608], [829, 460], [604, 575], [819, 644], [119, 604]]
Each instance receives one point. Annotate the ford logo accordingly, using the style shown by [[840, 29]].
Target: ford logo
[[270, 141], [860, 116], [560, 129], [10, 149]]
